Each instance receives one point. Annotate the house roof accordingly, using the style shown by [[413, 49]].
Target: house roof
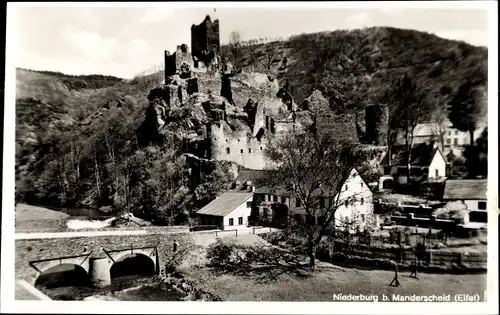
[[224, 204], [282, 192], [255, 176], [465, 189], [421, 155]]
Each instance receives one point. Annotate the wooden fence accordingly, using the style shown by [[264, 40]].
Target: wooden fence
[[405, 255]]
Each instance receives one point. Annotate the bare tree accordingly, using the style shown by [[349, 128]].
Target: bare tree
[[412, 110], [312, 168], [269, 56], [235, 45], [440, 125]]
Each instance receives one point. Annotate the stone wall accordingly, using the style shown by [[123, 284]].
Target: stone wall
[[341, 126], [205, 36], [28, 250], [244, 149]]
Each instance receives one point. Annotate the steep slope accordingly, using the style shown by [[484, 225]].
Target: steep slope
[[355, 68]]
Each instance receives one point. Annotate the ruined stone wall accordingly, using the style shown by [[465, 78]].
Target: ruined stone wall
[[244, 149], [283, 126], [376, 124], [180, 62], [205, 36]]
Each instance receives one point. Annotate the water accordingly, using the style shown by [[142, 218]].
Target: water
[[76, 224], [83, 218], [126, 288], [83, 213]]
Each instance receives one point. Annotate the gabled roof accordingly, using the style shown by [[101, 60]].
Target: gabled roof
[[473, 189], [255, 176], [225, 203], [282, 192], [421, 155]]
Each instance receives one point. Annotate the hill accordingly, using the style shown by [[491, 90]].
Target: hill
[[76, 140], [355, 68]]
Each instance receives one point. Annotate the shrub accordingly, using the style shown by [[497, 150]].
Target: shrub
[[227, 255]]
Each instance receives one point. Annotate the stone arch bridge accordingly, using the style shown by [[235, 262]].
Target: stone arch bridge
[[95, 251]]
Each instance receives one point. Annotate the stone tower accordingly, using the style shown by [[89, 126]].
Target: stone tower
[[205, 41], [377, 124]]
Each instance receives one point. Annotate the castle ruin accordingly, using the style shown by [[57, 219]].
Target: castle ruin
[[217, 128], [205, 41]]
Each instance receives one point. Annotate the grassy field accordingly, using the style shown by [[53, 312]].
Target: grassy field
[[32, 218], [325, 281]]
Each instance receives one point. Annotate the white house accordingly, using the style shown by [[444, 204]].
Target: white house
[[427, 163], [231, 210], [472, 192], [454, 140], [357, 207], [354, 208]]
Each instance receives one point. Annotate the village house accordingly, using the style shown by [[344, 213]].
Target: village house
[[230, 210], [274, 206], [454, 140], [471, 192], [427, 164]]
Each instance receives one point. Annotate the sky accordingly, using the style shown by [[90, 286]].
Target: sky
[[125, 41]]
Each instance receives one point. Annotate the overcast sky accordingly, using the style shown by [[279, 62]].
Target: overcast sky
[[123, 41]]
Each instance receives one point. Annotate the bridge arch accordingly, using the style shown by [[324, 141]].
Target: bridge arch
[[62, 275], [136, 263], [48, 266]]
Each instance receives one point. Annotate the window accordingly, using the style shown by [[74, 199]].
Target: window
[[275, 198], [249, 204], [449, 133], [436, 173], [361, 185], [346, 187], [240, 221], [268, 197], [481, 205], [249, 150], [241, 151], [363, 217], [448, 141], [228, 150], [231, 221], [238, 140], [456, 132], [362, 201], [261, 148], [455, 141], [227, 140], [283, 199], [297, 202]]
